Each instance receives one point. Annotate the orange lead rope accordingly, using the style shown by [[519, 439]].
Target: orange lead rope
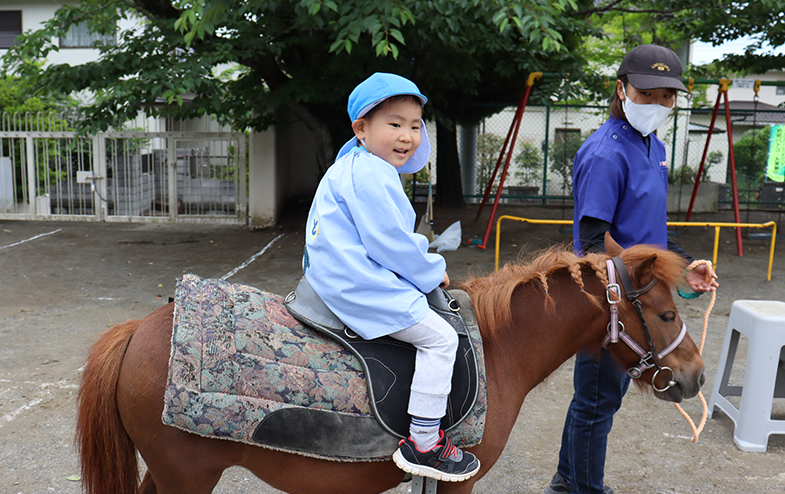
[[697, 430]]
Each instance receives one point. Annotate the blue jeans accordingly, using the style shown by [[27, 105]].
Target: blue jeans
[[600, 384]]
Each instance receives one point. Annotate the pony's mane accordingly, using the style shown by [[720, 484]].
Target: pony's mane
[[491, 295]]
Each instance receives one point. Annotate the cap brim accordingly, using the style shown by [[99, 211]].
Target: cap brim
[[373, 105], [648, 81]]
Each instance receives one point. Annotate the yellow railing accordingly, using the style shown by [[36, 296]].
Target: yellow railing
[[716, 226]]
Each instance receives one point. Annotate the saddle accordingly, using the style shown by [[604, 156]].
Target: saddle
[[389, 363]]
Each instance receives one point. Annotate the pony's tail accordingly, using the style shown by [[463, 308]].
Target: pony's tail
[[108, 456]]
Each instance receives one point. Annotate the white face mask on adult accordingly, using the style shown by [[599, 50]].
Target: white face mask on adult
[[644, 118]]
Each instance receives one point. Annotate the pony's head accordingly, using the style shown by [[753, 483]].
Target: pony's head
[[574, 277], [679, 374]]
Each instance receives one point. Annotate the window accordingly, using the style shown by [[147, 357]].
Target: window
[[78, 36], [10, 27], [780, 89]]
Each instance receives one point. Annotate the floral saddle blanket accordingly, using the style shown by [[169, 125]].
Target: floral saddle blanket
[[242, 368]]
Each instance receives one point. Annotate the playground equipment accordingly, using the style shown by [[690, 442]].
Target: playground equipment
[[717, 227], [509, 144], [516, 124]]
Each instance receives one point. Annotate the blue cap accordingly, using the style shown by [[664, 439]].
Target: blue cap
[[378, 88], [373, 91]]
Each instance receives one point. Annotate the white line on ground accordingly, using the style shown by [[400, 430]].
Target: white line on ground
[[45, 389], [29, 239], [11, 416], [251, 259]]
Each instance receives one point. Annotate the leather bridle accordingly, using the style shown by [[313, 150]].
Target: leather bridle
[[616, 328]]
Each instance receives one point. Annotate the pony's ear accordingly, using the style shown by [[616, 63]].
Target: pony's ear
[[611, 247], [645, 269]]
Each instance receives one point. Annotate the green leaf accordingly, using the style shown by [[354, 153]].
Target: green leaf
[[397, 35], [74, 478], [337, 44]]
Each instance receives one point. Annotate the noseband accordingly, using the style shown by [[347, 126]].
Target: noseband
[[616, 328]]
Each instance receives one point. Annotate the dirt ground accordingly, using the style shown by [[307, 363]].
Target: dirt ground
[[60, 290]]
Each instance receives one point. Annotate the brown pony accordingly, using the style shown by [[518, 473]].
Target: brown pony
[[532, 317]]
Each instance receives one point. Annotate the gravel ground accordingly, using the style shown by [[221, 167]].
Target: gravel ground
[[60, 290]]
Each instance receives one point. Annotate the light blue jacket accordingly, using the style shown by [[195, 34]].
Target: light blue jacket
[[362, 256]]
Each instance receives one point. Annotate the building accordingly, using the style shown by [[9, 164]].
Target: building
[[279, 160]]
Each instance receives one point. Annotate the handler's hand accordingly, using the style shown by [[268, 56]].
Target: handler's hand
[[445, 282], [698, 276]]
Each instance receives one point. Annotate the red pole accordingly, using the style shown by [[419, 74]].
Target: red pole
[[739, 247], [516, 124], [705, 152]]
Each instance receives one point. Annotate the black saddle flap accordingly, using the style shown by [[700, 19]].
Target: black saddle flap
[[389, 363]]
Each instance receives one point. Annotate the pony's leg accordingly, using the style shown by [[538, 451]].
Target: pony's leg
[[148, 485], [298, 474], [172, 470]]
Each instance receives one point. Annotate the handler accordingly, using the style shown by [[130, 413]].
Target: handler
[[620, 183]]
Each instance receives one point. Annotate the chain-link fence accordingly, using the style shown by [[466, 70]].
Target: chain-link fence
[[540, 169]]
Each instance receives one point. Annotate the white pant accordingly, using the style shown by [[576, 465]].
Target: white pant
[[436, 342]]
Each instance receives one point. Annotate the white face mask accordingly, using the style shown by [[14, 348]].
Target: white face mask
[[644, 118]]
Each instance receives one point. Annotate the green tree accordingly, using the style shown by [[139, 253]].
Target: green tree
[[528, 164], [488, 148], [17, 95], [306, 56], [718, 21], [672, 23], [563, 149], [751, 153]]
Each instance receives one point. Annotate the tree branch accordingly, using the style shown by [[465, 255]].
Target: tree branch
[[612, 7], [157, 9], [275, 79]]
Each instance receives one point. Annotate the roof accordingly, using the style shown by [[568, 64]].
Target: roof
[[748, 112]]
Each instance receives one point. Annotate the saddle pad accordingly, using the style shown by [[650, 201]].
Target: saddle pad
[[240, 364]]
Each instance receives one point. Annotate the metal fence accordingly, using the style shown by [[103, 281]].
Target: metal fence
[[150, 171], [549, 136]]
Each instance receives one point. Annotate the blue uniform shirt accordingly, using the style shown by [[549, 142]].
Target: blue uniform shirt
[[618, 179], [362, 255]]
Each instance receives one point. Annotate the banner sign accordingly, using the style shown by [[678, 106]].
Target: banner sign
[[775, 170]]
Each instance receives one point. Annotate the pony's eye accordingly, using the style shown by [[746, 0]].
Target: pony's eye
[[668, 316]]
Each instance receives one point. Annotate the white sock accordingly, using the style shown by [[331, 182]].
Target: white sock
[[424, 432]]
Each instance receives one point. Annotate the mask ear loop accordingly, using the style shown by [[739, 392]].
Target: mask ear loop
[[626, 98]]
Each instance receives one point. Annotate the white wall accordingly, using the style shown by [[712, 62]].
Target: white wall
[[767, 94], [36, 12]]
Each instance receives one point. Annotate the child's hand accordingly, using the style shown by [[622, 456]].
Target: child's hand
[[445, 282]]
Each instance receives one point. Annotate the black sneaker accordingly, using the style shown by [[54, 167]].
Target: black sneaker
[[442, 462], [560, 485]]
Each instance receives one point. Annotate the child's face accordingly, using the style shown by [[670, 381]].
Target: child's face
[[393, 130]]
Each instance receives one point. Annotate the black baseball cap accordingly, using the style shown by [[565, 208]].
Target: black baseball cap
[[652, 67]]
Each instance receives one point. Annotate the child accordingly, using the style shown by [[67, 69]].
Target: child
[[364, 260]]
